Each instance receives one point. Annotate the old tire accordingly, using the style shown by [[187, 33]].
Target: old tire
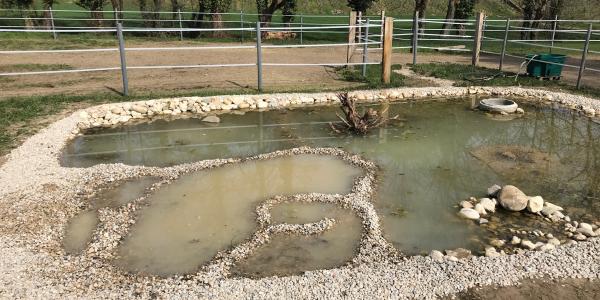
[[498, 105]]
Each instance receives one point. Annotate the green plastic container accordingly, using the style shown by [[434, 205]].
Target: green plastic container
[[539, 67]]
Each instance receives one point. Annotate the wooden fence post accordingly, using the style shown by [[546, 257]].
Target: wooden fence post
[[477, 38], [386, 57], [351, 35], [586, 47]]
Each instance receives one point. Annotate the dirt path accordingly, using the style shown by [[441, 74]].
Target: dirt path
[[181, 80], [175, 79]]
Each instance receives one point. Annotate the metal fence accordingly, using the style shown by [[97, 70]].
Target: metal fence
[[357, 33], [503, 38], [251, 33]]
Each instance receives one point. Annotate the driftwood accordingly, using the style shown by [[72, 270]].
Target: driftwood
[[352, 121]]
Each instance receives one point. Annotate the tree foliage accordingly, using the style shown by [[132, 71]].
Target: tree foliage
[[360, 5], [266, 9]]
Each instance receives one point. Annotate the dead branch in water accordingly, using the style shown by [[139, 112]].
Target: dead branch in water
[[352, 121]]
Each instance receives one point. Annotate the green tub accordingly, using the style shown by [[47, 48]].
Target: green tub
[[539, 67]]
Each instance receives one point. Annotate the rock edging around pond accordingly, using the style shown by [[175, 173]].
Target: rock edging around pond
[[120, 113]]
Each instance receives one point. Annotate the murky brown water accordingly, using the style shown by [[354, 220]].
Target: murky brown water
[[295, 254], [80, 229], [427, 161], [192, 219]]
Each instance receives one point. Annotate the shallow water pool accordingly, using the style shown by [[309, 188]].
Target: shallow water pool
[[441, 153]]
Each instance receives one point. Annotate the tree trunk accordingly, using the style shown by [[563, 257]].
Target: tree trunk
[[47, 22], [97, 14], [449, 16], [174, 9], [217, 23], [420, 7]]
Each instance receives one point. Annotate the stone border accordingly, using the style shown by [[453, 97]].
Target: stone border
[[113, 114], [38, 197]]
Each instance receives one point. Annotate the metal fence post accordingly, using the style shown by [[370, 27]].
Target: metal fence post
[[386, 54], [553, 32], [242, 24], [365, 49], [382, 27], [506, 30], [415, 37], [123, 62], [180, 25], [52, 22], [301, 30], [351, 35], [477, 38], [359, 24], [584, 55], [259, 55]]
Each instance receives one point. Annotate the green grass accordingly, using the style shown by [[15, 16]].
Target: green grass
[[372, 79], [466, 75]]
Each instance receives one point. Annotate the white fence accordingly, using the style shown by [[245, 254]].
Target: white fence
[[356, 33]]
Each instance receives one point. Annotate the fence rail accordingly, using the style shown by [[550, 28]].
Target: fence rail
[[357, 33]]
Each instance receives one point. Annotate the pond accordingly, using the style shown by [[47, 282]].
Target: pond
[[438, 154]]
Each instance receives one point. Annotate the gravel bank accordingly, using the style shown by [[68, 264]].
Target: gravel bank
[[38, 196]]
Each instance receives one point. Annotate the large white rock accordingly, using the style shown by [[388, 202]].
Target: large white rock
[[535, 204], [437, 255], [479, 208], [527, 244], [513, 199], [211, 119], [466, 204], [491, 252], [469, 213], [488, 204], [493, 190]]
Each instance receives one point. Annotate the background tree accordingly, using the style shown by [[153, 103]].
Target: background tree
[[450, 12], [464, 10], [267, 8], [210, 15], [150, 14], [360, 5], [95, 7], [420, 7]]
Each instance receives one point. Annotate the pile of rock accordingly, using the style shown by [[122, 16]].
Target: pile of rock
[[510, 198], [119, 113], [451, 255]]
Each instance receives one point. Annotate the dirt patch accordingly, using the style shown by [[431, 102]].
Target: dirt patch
[[538, 289], [165, 80]]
